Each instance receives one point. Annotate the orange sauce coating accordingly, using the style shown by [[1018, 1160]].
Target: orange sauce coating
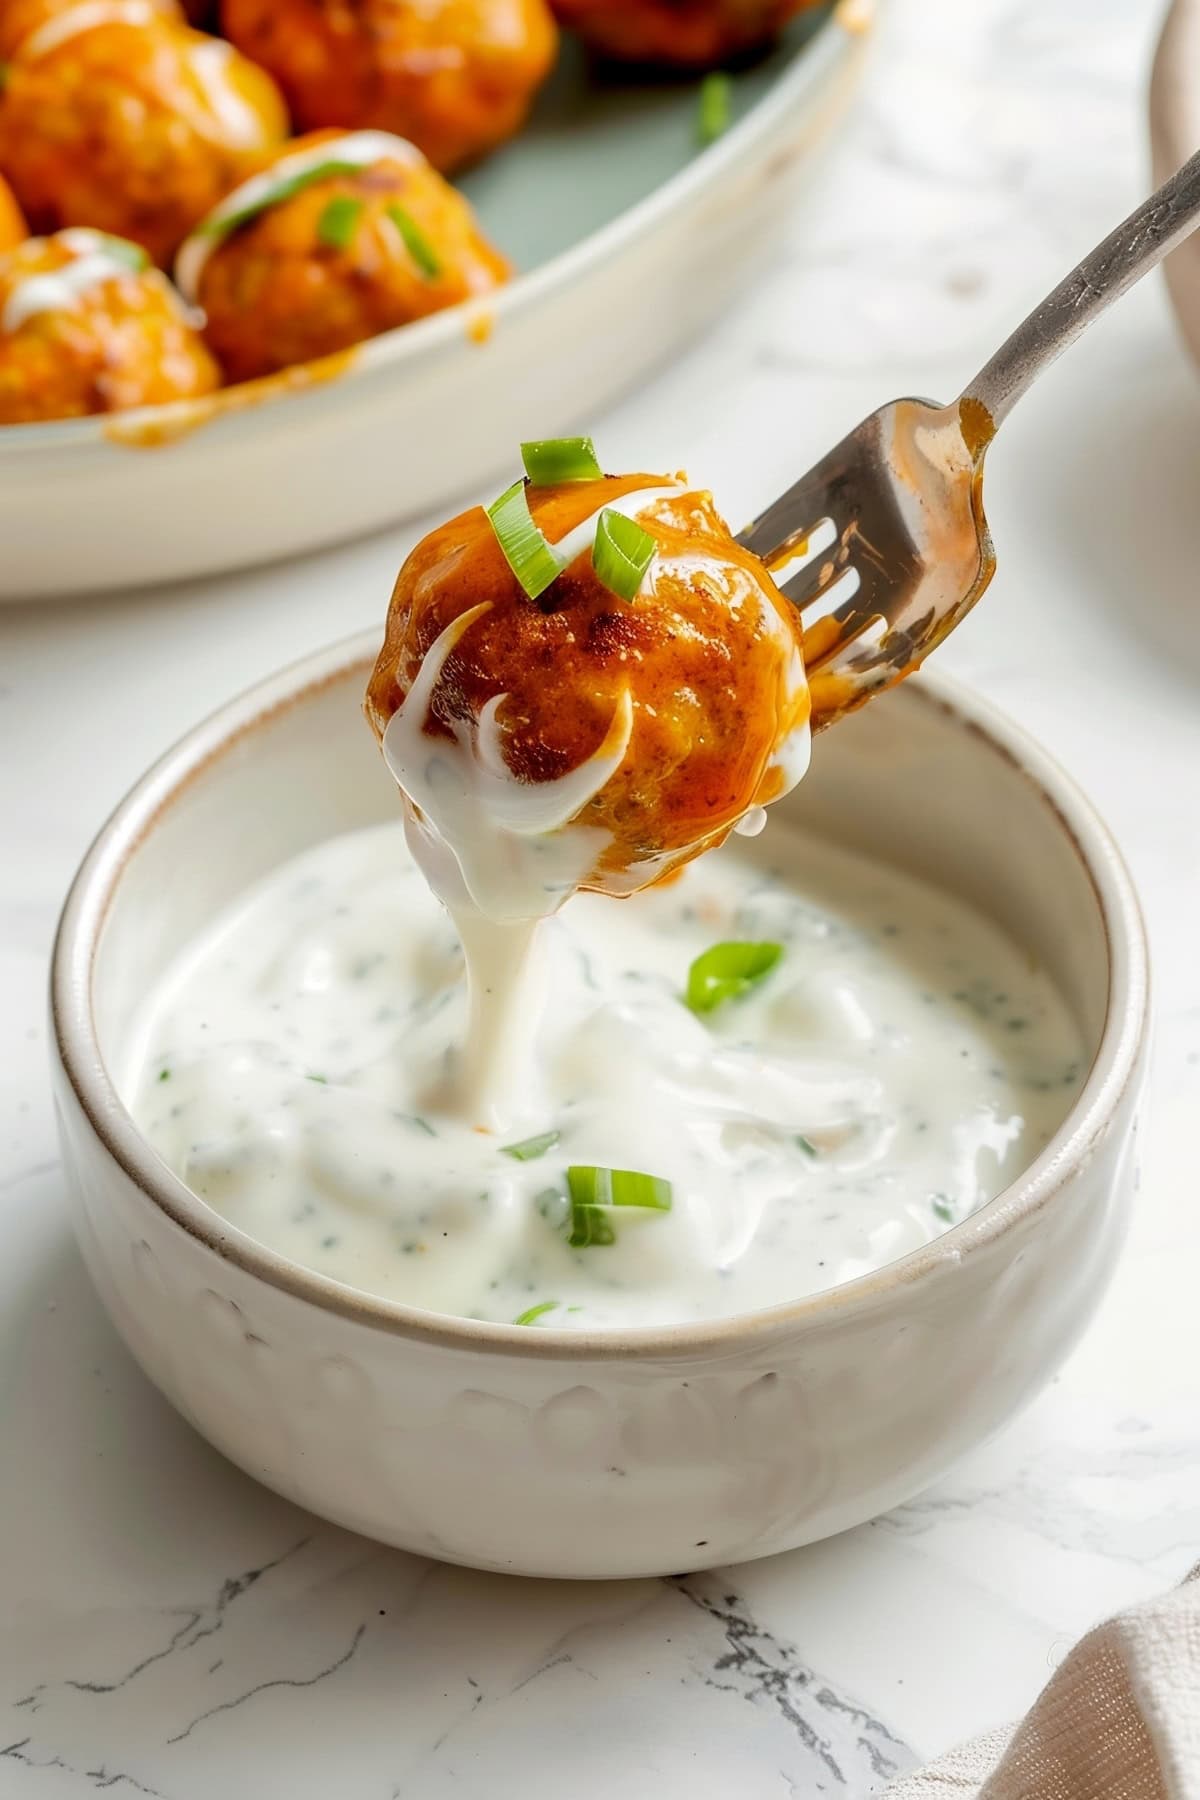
[[275, 294], [19, 19], [12, 226], [124, 343], [705, 651]]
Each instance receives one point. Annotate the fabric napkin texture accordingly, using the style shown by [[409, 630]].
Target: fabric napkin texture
[[1119, 1720]]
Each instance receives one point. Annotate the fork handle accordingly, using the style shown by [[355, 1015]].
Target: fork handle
[[1110, 270]]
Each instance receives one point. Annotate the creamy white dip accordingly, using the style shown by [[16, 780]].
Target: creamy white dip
[[503, 854], [300, 1068]]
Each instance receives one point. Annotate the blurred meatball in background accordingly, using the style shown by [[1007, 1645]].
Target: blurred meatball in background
[[457, 77], [134, 128], [689, 34], [344, 237], [88, 326], [20, 20]]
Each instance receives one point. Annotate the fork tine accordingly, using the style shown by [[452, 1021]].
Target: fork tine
[[811, 583], [911, 551], [780, 531]]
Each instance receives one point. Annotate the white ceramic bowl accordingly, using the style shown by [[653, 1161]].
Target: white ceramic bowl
[[1174, 136], [626, 1452], [420, 416]]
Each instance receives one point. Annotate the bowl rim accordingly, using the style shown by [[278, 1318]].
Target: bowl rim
[[94, 890], [837, 32]]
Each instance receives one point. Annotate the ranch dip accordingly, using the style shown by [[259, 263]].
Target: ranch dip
[[300, 1068]]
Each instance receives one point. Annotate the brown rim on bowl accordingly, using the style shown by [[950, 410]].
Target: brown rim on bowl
[[73, 1027]]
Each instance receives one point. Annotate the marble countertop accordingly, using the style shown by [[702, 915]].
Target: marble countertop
[[169, 1628]]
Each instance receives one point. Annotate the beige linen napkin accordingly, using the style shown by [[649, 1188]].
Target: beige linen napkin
[[1119, 1720]]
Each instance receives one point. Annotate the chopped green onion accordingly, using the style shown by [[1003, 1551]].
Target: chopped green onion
[[223, 225], [322, 1079], [622, 554], [590, 1186], [526, 551], [551, 460], [339, 221], [533, 1313], [727, 971], [415, 242], [134, 256], [417, 1123], [164, 1074], [805, 1144], [942, 1208], [590, 1225], [529, 1149], [714, 108]]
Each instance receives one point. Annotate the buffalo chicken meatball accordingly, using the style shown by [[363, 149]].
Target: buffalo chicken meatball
[[455, 76], [342, 238], [604, 730], [136, 129], [12, 226], [35, 23], [690, 34], [87, 326]]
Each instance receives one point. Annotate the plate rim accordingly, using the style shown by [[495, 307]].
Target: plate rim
[[839, 37]]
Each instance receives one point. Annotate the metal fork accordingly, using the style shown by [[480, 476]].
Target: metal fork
[[887, 532]]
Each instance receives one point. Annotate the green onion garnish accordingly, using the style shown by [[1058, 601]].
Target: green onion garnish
[[594, 1194], [551, 460], [714, 108], [727, 971], [529, 1149], [622, 554], [121, 250], [164, 1074], [339, 221], [526, 551], [805, 1144], [532, 1314], [323, 1080], [590, 1186], [415, 242], [590, 1225], [223, 225], [942, 1208]]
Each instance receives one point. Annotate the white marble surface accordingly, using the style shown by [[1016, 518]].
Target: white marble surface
[[167, 1627]]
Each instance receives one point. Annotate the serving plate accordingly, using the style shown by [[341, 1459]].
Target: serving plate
[[630, 241]]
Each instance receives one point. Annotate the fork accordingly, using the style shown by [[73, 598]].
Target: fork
[[883, 546]]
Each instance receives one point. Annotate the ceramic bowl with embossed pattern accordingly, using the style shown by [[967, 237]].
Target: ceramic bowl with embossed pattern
[[622, 1452]]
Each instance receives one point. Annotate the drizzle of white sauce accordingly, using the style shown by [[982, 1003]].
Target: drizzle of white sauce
[[360, 149], [510, 854], [503, 853], [498, 853], [238, 123], [60, 290], [61, 27], [898, 1066]]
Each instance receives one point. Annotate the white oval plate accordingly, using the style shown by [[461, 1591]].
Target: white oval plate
[[631, 241]]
